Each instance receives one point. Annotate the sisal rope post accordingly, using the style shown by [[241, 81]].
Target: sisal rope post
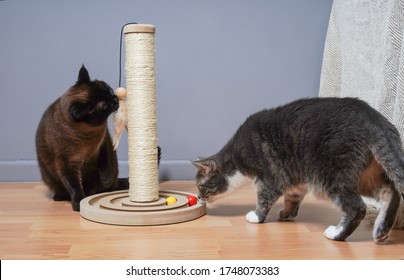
[[141, 112]]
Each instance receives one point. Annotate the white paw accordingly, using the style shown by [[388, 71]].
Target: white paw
[[252, 217], [332, 232]]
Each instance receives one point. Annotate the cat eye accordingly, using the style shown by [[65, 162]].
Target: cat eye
[[203, 187]]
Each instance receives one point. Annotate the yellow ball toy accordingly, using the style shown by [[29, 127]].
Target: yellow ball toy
[[171, 200]]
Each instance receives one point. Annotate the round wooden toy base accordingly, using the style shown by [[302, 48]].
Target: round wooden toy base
[[116, 208]]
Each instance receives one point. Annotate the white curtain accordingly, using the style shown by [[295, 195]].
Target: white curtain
[[364, 55]]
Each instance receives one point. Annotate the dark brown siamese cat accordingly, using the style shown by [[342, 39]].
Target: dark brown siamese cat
[[74, 147], [340, 148]]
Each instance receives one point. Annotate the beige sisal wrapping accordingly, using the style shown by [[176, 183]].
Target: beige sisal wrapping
[[141, 109]]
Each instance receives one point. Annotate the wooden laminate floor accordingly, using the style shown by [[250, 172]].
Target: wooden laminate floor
[[33, 226]]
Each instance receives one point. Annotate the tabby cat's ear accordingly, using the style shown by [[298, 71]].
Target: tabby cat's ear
[[84, 77], [206, 165]]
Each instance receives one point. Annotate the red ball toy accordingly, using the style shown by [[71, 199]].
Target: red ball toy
[[192, 200]]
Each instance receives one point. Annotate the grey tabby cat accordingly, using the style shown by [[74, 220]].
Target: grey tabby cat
[[340, 148]]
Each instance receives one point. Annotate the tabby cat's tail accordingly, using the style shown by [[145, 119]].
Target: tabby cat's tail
[[392, 160]]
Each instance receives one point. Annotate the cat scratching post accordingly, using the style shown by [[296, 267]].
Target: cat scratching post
[[142, 116], [144, 204]]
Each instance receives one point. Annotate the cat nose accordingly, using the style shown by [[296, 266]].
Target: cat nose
[[202, 199]]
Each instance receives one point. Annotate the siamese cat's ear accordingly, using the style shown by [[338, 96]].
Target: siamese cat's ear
[[84, 77], [206, 165]]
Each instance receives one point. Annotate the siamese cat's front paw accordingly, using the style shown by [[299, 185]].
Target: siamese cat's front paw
[[76, 206], [252, 217]]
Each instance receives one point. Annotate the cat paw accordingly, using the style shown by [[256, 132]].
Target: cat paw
[[285, 217], [332, 232], [379, 236], [381, 239], [76, 206], [252, 217]]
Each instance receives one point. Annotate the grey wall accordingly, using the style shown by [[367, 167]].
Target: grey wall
[[217, 62]]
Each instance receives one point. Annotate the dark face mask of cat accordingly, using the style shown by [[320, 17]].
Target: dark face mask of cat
[[102, 102], [96, 102], [105, 102]]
